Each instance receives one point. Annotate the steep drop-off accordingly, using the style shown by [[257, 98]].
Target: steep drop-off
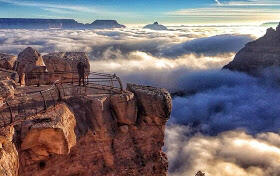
[[259, 54], [95, 132]]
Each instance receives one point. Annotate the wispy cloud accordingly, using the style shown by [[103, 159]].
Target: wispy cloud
[[251, 10], [256, 3], [218, 2], [53, 6]]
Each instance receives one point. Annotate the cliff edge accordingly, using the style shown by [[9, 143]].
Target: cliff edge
[[73, 130], [259, 54]]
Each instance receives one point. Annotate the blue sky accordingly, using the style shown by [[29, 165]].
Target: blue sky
[[147, 11]]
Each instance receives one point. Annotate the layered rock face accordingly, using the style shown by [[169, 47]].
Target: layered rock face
[[64, 62], [9, 163], [71, 130], [42, 69], [30, 60], [117, 135], [7, 61], [259, 54], [121, 134]]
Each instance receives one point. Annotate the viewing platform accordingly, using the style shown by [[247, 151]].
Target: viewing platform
[[33, 99]]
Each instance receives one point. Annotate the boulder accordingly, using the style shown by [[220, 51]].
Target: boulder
[[259, 54], [7, 61], [65, 62], [30, 65], [125, 108], [153, 103], [30, 60], [49, 133]]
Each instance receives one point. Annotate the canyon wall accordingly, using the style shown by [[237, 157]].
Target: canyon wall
[[118, 134], [259, 54]]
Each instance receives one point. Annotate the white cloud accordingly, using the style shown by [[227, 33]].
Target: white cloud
[[52, 6], [232, 12], [66, 9], [218, 2], [230, 153], [217, 101]]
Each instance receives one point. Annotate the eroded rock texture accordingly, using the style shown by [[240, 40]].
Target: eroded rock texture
[[9, 163], [120, 134], [7, 61], [30, 60], [65, 61], [259, 54]]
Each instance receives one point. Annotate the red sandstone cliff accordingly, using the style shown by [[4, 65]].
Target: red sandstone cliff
[[117, 134]]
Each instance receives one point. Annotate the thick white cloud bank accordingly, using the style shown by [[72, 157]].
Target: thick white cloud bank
[[223, 123], [231, 153]]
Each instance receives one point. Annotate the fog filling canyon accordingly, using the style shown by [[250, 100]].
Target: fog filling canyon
[[223, 123]]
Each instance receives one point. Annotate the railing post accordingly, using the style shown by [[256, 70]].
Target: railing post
[[120, 82]]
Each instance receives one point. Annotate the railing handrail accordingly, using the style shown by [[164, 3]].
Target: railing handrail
[[89, 75], [10, 108]]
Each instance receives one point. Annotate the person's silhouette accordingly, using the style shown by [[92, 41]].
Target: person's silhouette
[[81, 71]]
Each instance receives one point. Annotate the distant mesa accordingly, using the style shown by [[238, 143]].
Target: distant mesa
[[259, 54], [155, 26], [102, 24], [35, 23]]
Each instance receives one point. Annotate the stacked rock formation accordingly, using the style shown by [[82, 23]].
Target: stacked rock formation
[[118, 134], [65, 62], [40, 69], [30, 62], [259, 54]]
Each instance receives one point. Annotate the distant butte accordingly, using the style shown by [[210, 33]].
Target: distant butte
[[259, 54], [155, 26]]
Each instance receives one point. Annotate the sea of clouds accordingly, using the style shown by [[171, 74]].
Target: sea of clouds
[[223, 123]]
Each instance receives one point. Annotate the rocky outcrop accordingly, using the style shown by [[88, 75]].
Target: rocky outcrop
[[68, 130], [64, 62], [7, 90], [259, 54], [9, 163], [50, 133], [30, 60], [47, 69], [121, 134], [8, 75], [155, 26], [7, 61]]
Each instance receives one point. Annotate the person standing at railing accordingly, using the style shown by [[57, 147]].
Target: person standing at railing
[[81, 71]]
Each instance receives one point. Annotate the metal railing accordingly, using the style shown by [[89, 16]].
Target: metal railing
[[30, 103], [104, 79]]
